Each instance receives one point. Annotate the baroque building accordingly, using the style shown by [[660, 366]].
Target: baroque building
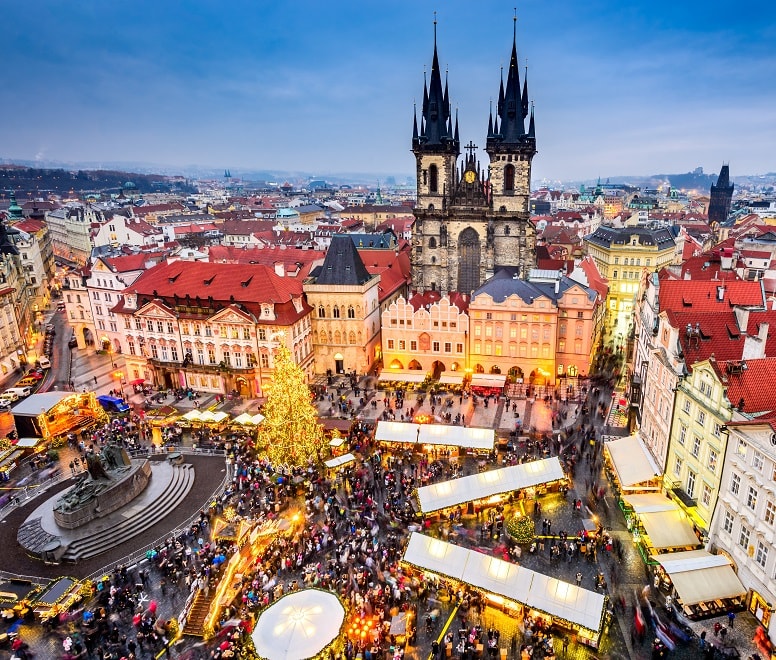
[[472, 219]]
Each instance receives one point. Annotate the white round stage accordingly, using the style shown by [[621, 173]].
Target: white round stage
[[300, 625]]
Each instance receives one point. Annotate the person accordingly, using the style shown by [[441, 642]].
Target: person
[[731, 618], [565, 645], [579, 578]]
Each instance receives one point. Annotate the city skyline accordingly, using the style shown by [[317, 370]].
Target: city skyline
[[330, 89]]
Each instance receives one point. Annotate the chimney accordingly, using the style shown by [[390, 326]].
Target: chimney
[[742, 318], [720, 293], [754, 345], [279, 269]]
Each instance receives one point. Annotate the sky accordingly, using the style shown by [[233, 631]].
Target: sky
[[620, 88]]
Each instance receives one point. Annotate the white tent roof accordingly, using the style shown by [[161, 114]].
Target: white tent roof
[[337, 461], [396, 432], [451, 378], [458, 436], [514, 582], [435, 434], [649, 502], [337, 442], [488, 380], [632, 461], [669, 529], [35, 404], [486, 484], [402, 376], [299, 625], [699, 576]]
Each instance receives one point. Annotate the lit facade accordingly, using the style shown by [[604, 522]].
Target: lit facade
[[744, 523], [697, 444], [622, 255], [213, 328], [428, 336], [539, 329]]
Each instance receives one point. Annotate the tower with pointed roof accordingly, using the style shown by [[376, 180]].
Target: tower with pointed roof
[[721, 197], [469, 219]]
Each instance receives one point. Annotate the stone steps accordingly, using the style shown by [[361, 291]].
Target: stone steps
[[195, 621], [105, 539]]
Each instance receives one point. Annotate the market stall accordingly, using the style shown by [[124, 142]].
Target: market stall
[[488, 384], [59, 596], [401, 376], [631, 466], [567, 605], [339, 461], [486, 485], [452, 380], [668, 530], [52, 414], [299, 625], [428, 436], [704, 584]]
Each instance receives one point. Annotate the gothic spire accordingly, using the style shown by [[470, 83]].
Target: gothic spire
[[525, 92], [512, 124], [436, 126], [531, 124]]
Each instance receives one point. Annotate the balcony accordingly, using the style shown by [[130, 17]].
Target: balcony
[[201, 368]]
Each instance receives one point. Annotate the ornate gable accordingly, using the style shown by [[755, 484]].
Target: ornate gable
[[232, 315], [154, 310]]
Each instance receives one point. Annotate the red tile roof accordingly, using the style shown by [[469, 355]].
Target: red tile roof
[[750, 384], [248, 284], [460, 300], [701, 295], [30, 226], [296, 263], [131, 262]]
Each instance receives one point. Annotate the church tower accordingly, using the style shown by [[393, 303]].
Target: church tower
[[721, 197], [471, 220], [511, 149]]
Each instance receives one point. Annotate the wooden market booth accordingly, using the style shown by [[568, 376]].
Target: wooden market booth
[[426, 437], [511, 587], [489, 487], [53, 414]]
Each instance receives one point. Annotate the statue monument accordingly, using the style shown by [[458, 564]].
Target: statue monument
[[112, 480]]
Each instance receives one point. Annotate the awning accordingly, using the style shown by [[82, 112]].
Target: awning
[[487, 484], [337, 442], [488, 380], [699, 576], [339, 461], [435, 434], [632, 461], [28, 443], [669, 529], [402, 376], [398, 624], [649, 502], [457, 436], [521, 585], [451, 378], [396, 432]]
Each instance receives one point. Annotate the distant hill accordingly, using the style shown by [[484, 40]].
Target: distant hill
[[33, 181]]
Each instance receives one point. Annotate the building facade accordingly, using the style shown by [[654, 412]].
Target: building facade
[[471, 219], [212, 328], [426, 333], [623, 255], [346, 320]]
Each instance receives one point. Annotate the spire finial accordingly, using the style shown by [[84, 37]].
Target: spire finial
[[514, 26], [435, 24]]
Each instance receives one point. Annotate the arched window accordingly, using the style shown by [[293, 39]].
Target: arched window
[[352, 337], [351, 312], [433, 179], [509, 179], [506, 230], [321, 312], [337, 337], [335, 312], [433, 260], [324, 337], [432, 242]]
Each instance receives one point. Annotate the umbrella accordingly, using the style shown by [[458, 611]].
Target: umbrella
[[137, 381]]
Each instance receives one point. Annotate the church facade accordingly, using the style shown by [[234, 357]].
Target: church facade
[[472, 219]]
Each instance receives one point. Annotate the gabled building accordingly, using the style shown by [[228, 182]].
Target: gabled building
[[213, 327], [346, 321]]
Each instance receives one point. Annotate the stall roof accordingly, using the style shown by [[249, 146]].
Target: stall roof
[[522, 585], [337, 442], [451, 378], [632, 461], [338, 461], [28, 443], [396, 432], [34, 404], [649, 502], [668, 529], [457, 436], [402, 376], [488, 380], [486, 484], [699, 576]]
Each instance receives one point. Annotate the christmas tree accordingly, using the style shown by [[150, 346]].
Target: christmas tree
[[521, 528], [290, 433]]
